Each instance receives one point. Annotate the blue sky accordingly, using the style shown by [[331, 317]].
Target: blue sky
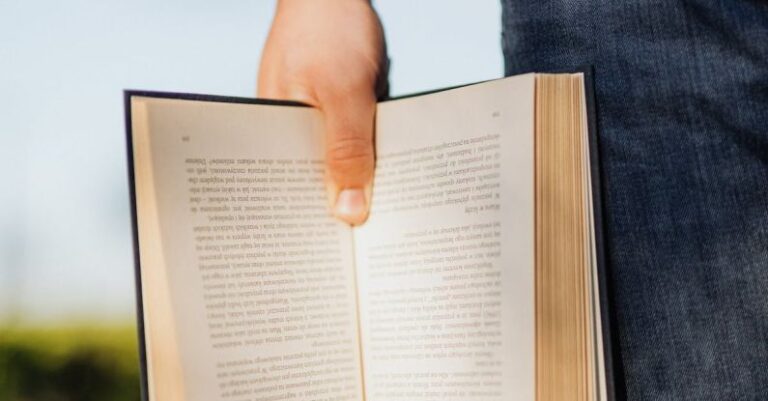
[[65, 244]]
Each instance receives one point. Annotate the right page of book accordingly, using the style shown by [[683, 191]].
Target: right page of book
[[445, 263]]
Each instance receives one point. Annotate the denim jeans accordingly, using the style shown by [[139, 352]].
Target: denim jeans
[[682, 104]]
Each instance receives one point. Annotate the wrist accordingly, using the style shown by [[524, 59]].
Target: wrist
[[283, 5]]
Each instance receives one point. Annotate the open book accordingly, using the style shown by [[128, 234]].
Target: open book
[[478, 276]]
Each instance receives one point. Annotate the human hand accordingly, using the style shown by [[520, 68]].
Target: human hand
[[331, 54]]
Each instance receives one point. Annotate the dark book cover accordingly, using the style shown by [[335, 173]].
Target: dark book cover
[[612, 355]]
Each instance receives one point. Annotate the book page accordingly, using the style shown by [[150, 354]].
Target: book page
[[260, 278], [445, 263]]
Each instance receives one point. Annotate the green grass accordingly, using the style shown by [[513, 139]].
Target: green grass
[[73, 363]]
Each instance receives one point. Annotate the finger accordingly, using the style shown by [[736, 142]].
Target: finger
[[273, 83], [269, 88], [349, 152]]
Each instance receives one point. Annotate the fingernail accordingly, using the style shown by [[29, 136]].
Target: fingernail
[[350, 205]]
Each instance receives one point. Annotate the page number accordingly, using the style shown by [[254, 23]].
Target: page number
[[185, 138]]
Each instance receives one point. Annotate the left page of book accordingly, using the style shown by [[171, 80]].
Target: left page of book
[[248, 282]]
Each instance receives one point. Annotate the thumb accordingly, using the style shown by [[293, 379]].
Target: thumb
[[349, 153]]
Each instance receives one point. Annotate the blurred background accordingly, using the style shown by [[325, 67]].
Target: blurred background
[[67, 328]]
